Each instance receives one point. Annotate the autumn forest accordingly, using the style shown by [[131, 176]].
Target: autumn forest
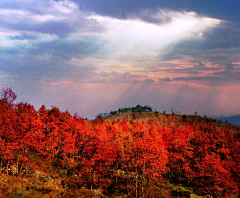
[[50, 153]]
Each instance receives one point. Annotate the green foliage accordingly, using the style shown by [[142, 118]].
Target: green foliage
[[137, 108]]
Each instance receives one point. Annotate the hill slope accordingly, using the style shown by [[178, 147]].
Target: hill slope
[[49, 153], [162, 117]]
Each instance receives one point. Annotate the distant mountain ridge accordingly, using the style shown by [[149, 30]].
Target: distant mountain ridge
[[235, 119]]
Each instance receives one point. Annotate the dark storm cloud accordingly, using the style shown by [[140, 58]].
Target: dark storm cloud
[[196, 78], [116, 77], [225, 10], [196, 69], [148, 80], [39, 68], [167, 79], [67, 47], [48, 60], [230, 75], [53, 27], [220, 46], [215, 45]]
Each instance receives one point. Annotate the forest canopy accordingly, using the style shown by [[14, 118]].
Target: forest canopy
[[133, 158]]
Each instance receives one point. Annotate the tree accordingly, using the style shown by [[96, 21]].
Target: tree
[[8, 137], [8, 96]]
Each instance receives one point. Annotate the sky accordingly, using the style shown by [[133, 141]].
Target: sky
[[95, 56]]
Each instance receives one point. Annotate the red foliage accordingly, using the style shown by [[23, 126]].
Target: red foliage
[[119, 154]]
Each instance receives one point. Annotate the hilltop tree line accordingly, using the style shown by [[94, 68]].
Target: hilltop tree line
[[137, 108], [119, 157]]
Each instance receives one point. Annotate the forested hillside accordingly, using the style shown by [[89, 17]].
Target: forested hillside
[[49, 153]]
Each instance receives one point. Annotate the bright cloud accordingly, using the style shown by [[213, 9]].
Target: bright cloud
[[128, 44], [42, 13], [29, 23], [138, 38], [121, 45]]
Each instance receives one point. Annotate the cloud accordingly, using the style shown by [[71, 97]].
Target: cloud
[[148, 80], [70, 53], [116, 77], [46, 36], [134, 35], [39, 11], [220, 44], [137, 38], [115, 9], [167, 79], [196, 78]]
